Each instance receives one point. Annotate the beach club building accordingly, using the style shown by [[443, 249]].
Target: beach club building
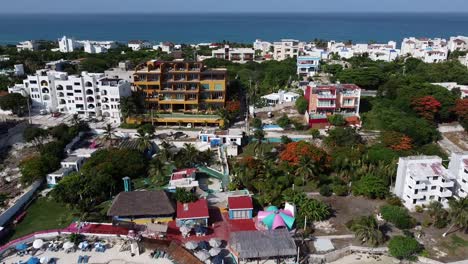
[[193, 213], [141, 207], [240, 207]]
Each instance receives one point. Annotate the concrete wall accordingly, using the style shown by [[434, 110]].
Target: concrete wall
[[9, 213]]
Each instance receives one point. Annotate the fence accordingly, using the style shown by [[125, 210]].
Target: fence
[[9, 213]]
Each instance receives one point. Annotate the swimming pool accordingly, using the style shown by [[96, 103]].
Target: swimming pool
[[272, 127]]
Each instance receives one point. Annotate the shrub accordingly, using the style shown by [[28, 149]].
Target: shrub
[[426, 222], [325, 190], [370, 186], [393, 200], [283, 121], [402, 247], [340, 190], [398, 216], [301, 105], [441, 221], [419, 209]]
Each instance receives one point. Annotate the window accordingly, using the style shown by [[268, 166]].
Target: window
[[417, 182], [431, 197], [435, 178], [433, 187], [69, 87], [410, 187], [219, 87], [76, 84], [205, 86]]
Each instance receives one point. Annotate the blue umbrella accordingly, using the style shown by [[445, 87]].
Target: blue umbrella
[[33, 260], [203, 245], [21, 247]]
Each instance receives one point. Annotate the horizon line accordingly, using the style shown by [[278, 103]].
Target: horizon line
[[235, 12]]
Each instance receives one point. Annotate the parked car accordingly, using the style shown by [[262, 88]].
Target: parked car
[[43, 112], [56, 114]]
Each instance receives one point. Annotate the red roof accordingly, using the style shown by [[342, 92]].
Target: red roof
[[183, 173], [198, 209], [240, 202]]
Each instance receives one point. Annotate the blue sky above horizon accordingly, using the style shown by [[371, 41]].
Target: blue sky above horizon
[[207, 6]]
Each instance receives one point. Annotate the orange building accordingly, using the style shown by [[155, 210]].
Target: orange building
[[182, 92]]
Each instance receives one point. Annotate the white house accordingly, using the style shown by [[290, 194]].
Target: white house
[[428, 50], [73, 162], [30, 45], [136, 45], [54, 177], [308, 65], [287, 48], [458, 166], [453, 85], [263, 46], [88, 94], [458, 43], [385, 52], [184, 178], [422, 179], [164, 46], [217, 138], [240, 55], [280, 97]]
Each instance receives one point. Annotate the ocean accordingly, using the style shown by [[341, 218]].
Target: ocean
[[243, 27]]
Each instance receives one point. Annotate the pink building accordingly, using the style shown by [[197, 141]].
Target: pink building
[[327, 100]]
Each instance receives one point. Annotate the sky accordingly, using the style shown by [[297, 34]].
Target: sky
[[206, 6]]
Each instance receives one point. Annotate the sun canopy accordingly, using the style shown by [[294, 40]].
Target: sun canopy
[[274, 218]]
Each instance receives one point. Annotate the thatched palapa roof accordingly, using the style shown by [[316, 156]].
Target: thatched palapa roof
[[141, 203]]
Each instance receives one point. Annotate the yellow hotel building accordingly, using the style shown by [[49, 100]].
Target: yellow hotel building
[[181, 92]]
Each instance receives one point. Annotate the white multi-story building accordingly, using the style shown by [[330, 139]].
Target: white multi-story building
[[385, 52], [308, 64], [69, 44], [263, 46], [240, 55], [137, 45], [428, 50], [27, 45], [458, 43], [88, 94], [423, 179], [453, 85], [287, 48], [458, 166]]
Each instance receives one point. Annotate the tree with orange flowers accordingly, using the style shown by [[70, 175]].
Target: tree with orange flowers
[[427, 107], [396, 141], [233, 106], [294, 151]]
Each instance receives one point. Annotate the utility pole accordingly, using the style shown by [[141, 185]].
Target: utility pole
[[247, 125]]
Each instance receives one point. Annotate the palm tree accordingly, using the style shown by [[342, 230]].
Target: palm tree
[[144, 141], [165, 152], [306, 169], [190, 154], [127, 107], [75, 120], [367, 230], [458, 213], [435, 208], [108, 133], [156, 171]]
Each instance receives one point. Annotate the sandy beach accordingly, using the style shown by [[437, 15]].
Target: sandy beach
[[365, 258]]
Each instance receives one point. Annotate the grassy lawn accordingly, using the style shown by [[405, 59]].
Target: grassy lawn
[[43, 214]]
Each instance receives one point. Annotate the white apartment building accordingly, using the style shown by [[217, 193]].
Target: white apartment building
[[69, 44], [428, 50], [240, 55], [453, 85], [458, 166], [263, 46], [137, 45], [287, 48], [458, 43], [385, 52], [88, 94], [308, 65], [30, 45], [422, 179]]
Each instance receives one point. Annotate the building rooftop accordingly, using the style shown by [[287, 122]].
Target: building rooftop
[[240, 202], [141, 203], [72, 159], [183, 173], [198, 209], [61, 171]]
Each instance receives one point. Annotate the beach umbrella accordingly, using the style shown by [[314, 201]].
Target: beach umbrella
[[273, 218], [214, 251], [68, 245], [45, 260], [202, 255], [33, 260], [21, 247], [38, 243], [191, 245], [215, 242], [203, 245], [218, 260]]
